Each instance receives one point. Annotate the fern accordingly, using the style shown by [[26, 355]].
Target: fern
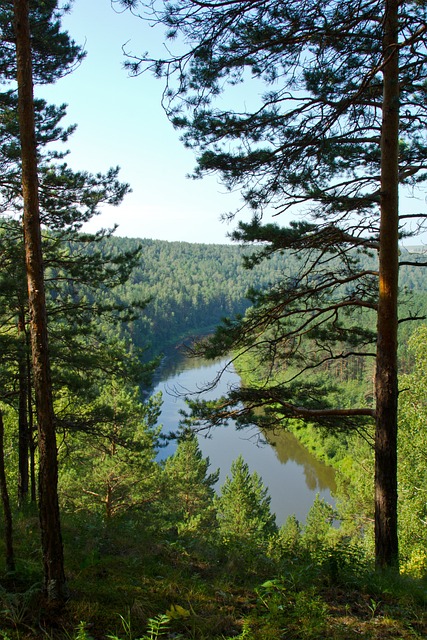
[[157, 627]]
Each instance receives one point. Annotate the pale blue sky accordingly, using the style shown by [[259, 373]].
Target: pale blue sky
[[121, 122]]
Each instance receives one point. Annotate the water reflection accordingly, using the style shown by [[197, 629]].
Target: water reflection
[[292, 474], [318, 476]]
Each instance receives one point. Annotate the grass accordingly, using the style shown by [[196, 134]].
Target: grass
[[127, 581]]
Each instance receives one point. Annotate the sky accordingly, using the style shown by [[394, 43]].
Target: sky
[[121, 122]]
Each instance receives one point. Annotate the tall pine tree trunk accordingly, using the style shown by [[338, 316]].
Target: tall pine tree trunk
[[32, 440], [53, 559], [386, 541], [23, 433]]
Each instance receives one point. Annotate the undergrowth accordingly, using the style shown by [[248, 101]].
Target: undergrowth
[[127, 582]]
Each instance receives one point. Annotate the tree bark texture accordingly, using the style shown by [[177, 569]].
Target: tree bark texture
[[32, 439], [386, 541], [23, 433], [8, 528], [53, 559]]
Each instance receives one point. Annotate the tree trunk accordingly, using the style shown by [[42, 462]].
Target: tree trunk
[[23, 434], [53, 560], [31, 432], [386, 541], [8, 529]]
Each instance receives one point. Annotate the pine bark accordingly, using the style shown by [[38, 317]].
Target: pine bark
[[23, 433], [53, 561], [32, 440], [386, 540]]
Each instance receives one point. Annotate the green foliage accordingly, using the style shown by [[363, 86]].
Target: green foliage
[[157, 627], [190, 490], [412, 453], [288, 539], [125, 578], [81, 633], [191, 287], [244, 517], [111, 468], [303, 609], [318, 524], [54, 52], [16, 608]]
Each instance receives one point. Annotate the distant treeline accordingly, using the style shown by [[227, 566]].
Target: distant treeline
[[191, 287]]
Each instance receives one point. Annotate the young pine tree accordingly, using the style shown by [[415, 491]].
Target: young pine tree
[[190, 488], [244, 515], [111, 470], [318, 524]]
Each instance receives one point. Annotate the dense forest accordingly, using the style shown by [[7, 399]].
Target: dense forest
[[190, 287]]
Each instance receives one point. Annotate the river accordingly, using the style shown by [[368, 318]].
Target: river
[[291, 473]]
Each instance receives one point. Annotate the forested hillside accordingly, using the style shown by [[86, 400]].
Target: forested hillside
[[190, 288]]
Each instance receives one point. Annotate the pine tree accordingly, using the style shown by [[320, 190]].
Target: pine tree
[[243, 507], [289, 536], [340, 127], [55, 586], [190, 488], [43, 53], [318, 524], [74, 261], [110, 468]]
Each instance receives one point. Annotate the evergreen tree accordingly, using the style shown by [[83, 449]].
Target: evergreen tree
[[340, 128], [73, 260], [190, 488], [111, 468], [289, 535], [318, 525], [53, 559], [54, 53], [243, 508], [52, 195]]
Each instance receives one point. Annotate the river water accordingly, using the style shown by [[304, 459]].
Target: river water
[[291, 473]]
